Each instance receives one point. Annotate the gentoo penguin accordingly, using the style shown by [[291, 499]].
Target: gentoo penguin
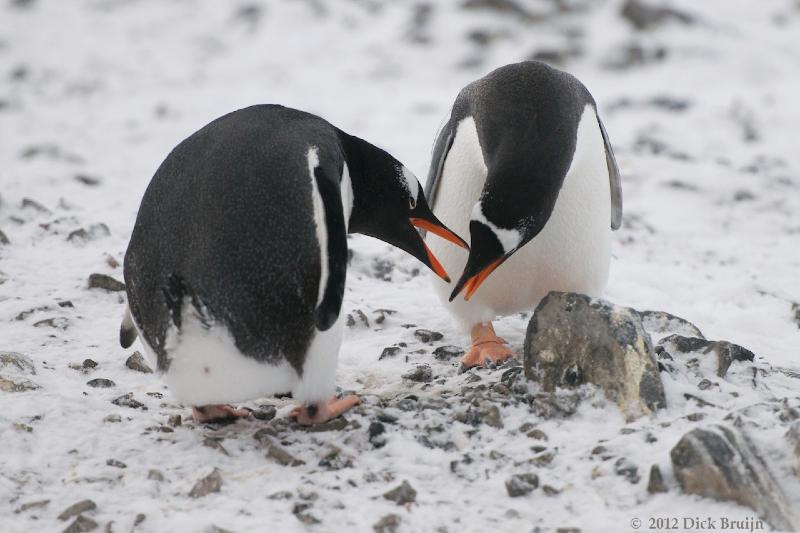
[[525, 165], [236, 266]]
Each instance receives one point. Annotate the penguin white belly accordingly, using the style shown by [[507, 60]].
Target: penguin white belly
[[207, 368], [571, 253]]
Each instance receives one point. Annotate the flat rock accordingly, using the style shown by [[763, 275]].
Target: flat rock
[[445, 353], [101, 383], [573, 339], [402, 494], [106, 282], [389, 351], [77, 508], [127, 400], [93, 232], [81, 524], [721, 463], [426, 335], [207, 485], [31, 505], [136, 362]]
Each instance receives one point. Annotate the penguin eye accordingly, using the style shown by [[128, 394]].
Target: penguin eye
[[412, 202]]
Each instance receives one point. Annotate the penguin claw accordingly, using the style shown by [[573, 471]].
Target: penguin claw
[[218, 413], [487, 349], [323, 411]]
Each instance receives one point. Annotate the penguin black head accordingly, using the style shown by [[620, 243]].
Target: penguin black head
[[528, 144], [388, 203]]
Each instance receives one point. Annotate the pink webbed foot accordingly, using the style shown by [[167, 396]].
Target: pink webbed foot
[[487, 348], [323, 411], [218, 413]]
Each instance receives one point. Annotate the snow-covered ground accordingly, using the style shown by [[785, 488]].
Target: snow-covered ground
[[93, 95]]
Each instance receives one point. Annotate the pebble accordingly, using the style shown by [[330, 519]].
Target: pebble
[[426, 335], [402, 494], [389, 523], [656, 485], [174, 420], [389, 351], [155, 475], [521, 484], [106, 282], [116, 464], [537, 434], [445, 353], [205, 486], [88, 364], [136, 362], [126, 400], [81, 525], [31, 505], [625, 468], [421, 374], [377, 435], [101, 383], [77, 508], [113, 418], [265, 412]]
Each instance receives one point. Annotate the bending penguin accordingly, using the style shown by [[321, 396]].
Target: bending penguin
[[525, 166], [235, 270]]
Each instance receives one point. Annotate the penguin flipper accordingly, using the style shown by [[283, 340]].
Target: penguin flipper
[[614, 178], [127, 331], [444, 141], [329, 307]]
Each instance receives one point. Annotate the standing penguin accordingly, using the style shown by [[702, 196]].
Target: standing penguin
[[236, 267], [524, 163]]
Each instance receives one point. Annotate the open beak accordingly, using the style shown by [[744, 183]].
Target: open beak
[[439, 229], [470, 284], [435, 265]]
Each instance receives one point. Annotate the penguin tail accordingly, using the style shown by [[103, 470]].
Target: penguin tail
[[127, 331], [177, 293]]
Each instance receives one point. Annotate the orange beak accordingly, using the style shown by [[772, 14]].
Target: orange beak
[[441, 231], [475, 281], [436, 265]]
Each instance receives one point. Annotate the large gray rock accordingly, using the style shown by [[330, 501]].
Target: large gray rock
[[573, 339], [722, 463]]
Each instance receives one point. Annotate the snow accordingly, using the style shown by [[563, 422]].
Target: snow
[[106, 88]]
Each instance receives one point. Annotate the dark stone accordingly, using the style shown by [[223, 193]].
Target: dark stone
[[389, 351], [402, 494], [521, 484], [126, 400], [265, 412], [421, 374], [573, 339], [643, 16], [136, 362], [174, 420], [3, 238], [77, 508], [382, 314], [300, 511], [101, 383], [377, 435], [426, 335], [155, 475], [357, 319], [116, 464], [726, 352], [91, 181], [89, 364], [205, 486], [94, 232], [796, 314], [81, 524], [103, 281], [655, 484], [721, 463], [625, 468], [445, 353], [389, 523], [537, 434], [555, 404]]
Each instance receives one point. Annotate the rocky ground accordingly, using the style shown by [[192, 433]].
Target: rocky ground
[[674, 419]]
